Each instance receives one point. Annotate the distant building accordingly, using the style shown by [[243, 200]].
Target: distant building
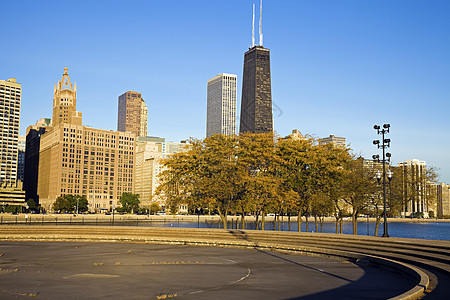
[[80, 160], [443, 200], [10, 95], [221, 105], [414, 187], [21, 158], [12, 194], [295, 135], [65, 102], [256, 105], [149, 151], [31, 170], [335, 140], [132, 114]]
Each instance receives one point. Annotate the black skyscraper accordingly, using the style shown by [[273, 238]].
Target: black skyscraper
[[256, 104]]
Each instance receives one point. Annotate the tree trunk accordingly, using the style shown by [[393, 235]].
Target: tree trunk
[[223, 217], [299, 222], [243, 221], [354, 222], [307, 223], [263, 219], [322, 219], [377, 224], [289, 221], [340, 225], [316, 224], [337, 223]]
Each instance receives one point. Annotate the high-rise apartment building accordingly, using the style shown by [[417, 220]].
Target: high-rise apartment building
[[80, 160], [414, 186], [10, 95], [221, 105], [132, 114], [65, 102]]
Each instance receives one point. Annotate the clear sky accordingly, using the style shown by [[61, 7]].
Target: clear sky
[[338, 67]]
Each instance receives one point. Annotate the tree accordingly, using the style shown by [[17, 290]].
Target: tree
[[154, 208], [256, 155], [70, 203], [130, 202], [32, 205], [359, 187]]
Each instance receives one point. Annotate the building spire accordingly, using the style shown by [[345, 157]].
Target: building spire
[[260, 24], [253, 27]]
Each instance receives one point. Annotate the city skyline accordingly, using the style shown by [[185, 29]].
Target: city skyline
[[337, 67]]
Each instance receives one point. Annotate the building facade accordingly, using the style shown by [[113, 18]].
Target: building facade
[[443, 200], [256, 105], [21, 157], [31, 170], [414, 187], [221, 105], [335, 140], [65, 102], [10, 96], [79, 160], [132, 114], [149, 152]]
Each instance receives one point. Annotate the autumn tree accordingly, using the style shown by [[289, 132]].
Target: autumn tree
[[130, 202]]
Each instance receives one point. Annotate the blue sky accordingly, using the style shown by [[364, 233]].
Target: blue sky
[[338, 67]]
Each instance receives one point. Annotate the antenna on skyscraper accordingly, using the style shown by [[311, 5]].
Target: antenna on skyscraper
[[260, 24], [253, 27]]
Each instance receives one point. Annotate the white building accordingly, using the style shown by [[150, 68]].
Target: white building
[[414, 187], [10, 95], [221, 105]]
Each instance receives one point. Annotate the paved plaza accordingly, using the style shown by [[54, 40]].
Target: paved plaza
[[57, 270]]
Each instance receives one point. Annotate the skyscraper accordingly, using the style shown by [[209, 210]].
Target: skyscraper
[[10, 187], [65, 102], [221, 105], [10, 95], [256, 104], [132, 114], [80, 160]]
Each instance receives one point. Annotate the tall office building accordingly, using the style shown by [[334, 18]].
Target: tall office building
[[256, 104], [132, 114], [33, 144], [65, 102], [80, 160], [10, 95], [221, 105]]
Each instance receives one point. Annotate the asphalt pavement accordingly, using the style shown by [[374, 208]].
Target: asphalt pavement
[[63, 270]]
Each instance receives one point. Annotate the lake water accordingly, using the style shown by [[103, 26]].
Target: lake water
[[428, 230]]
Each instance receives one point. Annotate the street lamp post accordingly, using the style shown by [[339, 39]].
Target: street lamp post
[[386, 143]]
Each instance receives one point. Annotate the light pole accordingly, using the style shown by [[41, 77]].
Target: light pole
[[386, 143]]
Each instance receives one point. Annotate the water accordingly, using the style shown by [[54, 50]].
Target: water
[[428, 230]]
